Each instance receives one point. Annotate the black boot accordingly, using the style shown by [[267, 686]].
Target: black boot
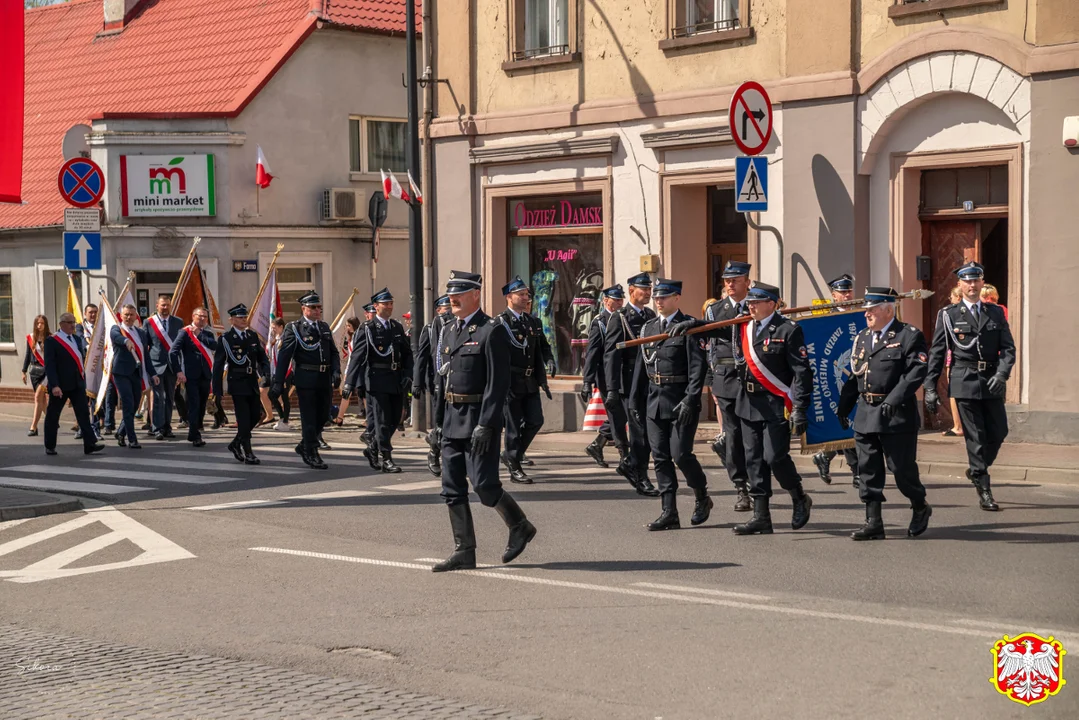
[[625, 468], [322, 444], [434, 463], [854, 482], [464, 541], [521, 530], [742, 503], [314, 460], [594, 450], [526, 461], [719, 447], [985, 495], [388, 465], [919, 519], [802, 505], [236, 450], [644, 484], [824, 467], [761, 524], [249, 455], [874, 525], [668, 519], [372, 458], [517, 474], [702, 508]]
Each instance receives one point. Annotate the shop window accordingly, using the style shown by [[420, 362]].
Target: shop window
[[7, 317], [556, 245], [377, 144], [293, 282]]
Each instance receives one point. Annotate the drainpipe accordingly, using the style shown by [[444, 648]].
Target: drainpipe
[[779, 241], [427, 82]]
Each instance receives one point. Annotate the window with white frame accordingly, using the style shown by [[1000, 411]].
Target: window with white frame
[[377, 144], [546, 29], [293, 282], [710, 16], [7, 315]]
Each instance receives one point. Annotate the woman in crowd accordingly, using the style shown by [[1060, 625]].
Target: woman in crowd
[[351, 326], [990, 295], [33, 363]]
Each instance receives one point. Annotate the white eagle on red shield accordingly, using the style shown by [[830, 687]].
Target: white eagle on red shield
[[1028, 669]]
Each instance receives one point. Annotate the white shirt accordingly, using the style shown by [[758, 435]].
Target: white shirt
[[665, 321], [764, 323], [639, 310], [463, 323], [975, 308], [741, 305], [877, 334], [516, 315], [385, 323]]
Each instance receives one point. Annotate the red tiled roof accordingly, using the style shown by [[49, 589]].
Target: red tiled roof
[[175, 58]]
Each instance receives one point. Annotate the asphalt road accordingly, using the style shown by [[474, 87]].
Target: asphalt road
[[327, 573]]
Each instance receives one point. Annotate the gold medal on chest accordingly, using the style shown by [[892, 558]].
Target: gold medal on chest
[[961, 336]]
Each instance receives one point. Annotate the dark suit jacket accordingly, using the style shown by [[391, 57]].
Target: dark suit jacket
[[681, 356], [375, 352], [593, 355], [725, 382], [320, 350], [186, 358], [895, 367], [124, 362], [159, 351], [781, 348], [618, 365], [990, 341], [61, 369], [479, 358]]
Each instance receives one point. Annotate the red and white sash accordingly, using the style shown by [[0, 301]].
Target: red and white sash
[[137, 342], [161, 331], [193, 333], [72, 352], [762, 374], [33, 349]]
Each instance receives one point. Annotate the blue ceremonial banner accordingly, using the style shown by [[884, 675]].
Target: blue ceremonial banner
[[829, 339]]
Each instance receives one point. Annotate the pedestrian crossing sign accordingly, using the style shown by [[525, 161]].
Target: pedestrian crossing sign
[[751, 184]]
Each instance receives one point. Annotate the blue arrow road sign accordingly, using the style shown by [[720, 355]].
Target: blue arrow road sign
[[82, 251], [751, 184]]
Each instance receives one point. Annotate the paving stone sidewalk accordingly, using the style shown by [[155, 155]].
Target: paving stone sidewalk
[[52, 676]]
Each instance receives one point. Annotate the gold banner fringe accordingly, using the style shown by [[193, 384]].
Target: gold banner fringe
[[834, 446]]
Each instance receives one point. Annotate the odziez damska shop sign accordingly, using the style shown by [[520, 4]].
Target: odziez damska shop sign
[[157, 185], [581, 211]]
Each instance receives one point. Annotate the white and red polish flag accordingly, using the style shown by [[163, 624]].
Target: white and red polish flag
[[392, 188], [416, 194], [263, 174]]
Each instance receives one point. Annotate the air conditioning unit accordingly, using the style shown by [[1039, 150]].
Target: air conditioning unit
[[343, 204]]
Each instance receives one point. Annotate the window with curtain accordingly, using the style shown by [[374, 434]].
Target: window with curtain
[[546, 25], [7, 318], [293, 282], [376, 145], [711, 15]]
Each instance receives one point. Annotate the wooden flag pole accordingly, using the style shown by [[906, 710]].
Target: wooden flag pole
[[266, 277], [187, 266], [123, 292], [337, 318]]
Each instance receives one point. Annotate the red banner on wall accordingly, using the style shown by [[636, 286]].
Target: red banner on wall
[[11, 99]]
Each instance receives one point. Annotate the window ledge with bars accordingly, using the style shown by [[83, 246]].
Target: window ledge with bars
[[909, 8], [541, 57], [706, 34]]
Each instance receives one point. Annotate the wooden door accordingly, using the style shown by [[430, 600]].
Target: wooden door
[[949, 244]]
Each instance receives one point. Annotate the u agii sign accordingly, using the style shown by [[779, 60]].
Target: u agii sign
[[156, 185]]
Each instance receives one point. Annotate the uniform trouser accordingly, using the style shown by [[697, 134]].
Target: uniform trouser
[[198, 391], [673, 445], [82, 415], [282, 404], [736, 452], [128, 390], [386, 411], [523, 415], [246, 408], [109, 407], [179, 399], [985, 425], [163, 401], [368, 434], [637, 438], [459, 464], [897, 451], [314, 409], [767, 445], [605, 429]]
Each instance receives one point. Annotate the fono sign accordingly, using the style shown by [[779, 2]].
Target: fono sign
[[156, 185]]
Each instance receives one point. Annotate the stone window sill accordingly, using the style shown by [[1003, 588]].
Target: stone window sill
[[354, 176], [510, 66], [904, 10], [707, 38]]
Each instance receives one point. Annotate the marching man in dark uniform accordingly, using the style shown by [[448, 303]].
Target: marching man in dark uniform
[[842, 290], [162, 330], [594, 377], [528, 350], [666, 397], [309, 344], [888, 363], [426, 380], [476, 375], [368, 434], [192, 360], [382, 355], [983, 355], [774, 376], [726, 384], [618, 366], [240, 353]]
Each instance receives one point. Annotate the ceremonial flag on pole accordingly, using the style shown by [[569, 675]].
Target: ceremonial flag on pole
[[126, 297], [276, 312], [12, 94], [211, 304], [341, 321], [262, 314], [263, 174], [192, 293], [107, 322], [416, 194], [392, 188], [73, 300], [94, 363]]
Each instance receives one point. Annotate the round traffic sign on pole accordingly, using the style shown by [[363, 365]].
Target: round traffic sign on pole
[[750, 116], [81, 182]]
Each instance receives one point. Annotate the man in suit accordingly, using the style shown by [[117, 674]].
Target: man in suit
[[192, 360], [888, 365], [309, 343], [382, 362], [983, 355], [63, 352], [162, 329], [241, 357], [427, 379], [130, 366], [666, 398], [774, 377], [476, 371], [594, 377], [618, 365]]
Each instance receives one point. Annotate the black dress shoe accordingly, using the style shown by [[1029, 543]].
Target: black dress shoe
[[168, 434], [78, 435], [50, 451], [159, 436], [198, 442], [919, 520], [372, 458], [626, 470], [802, 505], [322, 444], [121, 440], [525, 461], [134, 445], [824, 467], [644, 485], [236, 450], [389, 466], [91, 449], [594, 450], [315, 461], [250, 459], [434, 464], [702, 508], [518, 476]]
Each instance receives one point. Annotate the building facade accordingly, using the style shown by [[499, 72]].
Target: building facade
[[580, 142], [176, 136]]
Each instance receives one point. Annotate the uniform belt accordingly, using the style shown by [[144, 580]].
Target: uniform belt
[[458, 398], [874, 398], [724, 361], [668, 379], [527, 372], [314, 368], [241, 371], [979, 365], [385, 366]]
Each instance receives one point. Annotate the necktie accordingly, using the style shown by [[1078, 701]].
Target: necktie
[[460, 325], [974, 310]]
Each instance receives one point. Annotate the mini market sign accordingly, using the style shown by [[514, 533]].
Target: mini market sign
[[157, 185]]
